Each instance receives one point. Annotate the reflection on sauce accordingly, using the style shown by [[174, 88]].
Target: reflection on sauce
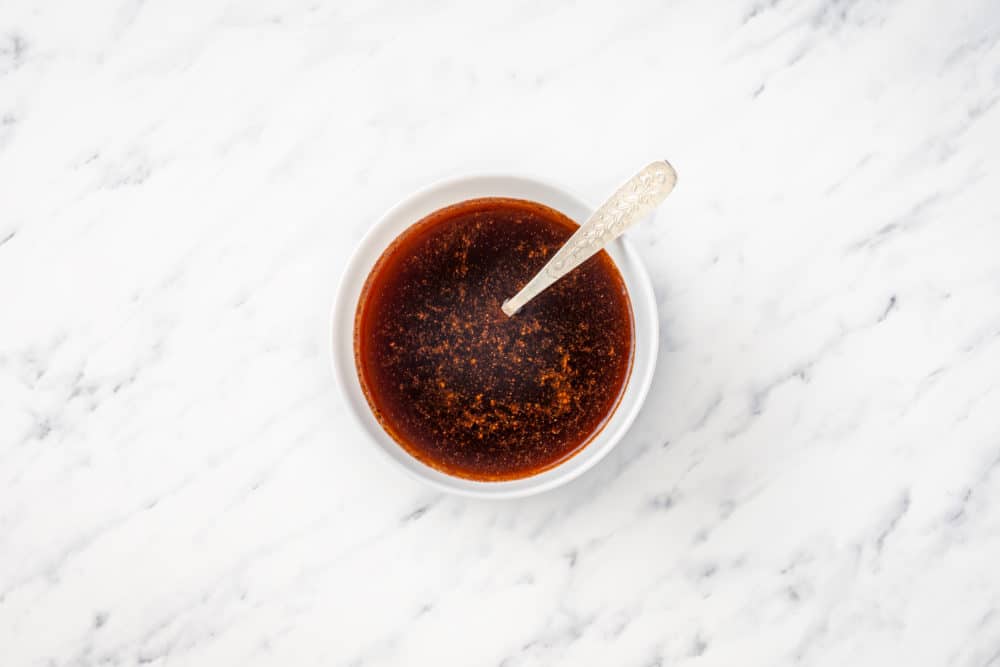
[[457, 383]]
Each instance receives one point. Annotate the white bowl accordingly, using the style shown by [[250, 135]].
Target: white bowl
[[452, 191]]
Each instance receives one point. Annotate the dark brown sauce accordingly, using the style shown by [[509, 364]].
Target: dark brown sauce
[[457, 383]]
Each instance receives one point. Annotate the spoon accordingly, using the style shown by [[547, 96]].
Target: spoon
[[628, 205]]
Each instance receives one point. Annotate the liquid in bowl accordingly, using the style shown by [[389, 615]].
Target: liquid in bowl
[[462, 387]]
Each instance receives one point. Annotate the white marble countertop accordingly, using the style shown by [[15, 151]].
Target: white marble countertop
[[814, 480]]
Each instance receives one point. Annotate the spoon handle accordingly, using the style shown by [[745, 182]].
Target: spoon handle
[[627, 206]]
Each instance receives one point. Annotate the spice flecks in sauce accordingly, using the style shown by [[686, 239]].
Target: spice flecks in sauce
[[465, 388]]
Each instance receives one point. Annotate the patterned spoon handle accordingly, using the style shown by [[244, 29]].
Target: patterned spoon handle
[[628, 205]]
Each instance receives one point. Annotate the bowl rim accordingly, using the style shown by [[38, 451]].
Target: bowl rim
[[641, 295]]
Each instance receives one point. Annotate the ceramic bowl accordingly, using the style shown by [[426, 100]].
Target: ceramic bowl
[[452, 191]]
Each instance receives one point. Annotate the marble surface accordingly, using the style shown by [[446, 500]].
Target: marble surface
[[814, 480]]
